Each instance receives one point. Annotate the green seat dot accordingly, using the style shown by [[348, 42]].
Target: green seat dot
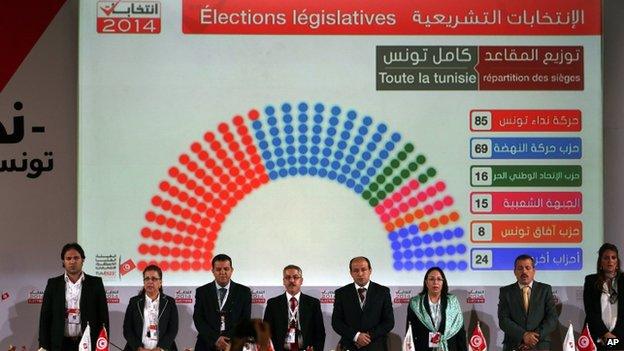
[[422, 178], [431, 172], [373, 202], [380, 179], [397, 181], [366, 194], [389, 188], [402, 155], [405, 174], [409, 147], [387, 171], [395, 164], [413, 166], [373, 187], [421, 159], [381, 195]]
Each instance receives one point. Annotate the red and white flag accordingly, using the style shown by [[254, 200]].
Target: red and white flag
[[477, 340], [568, 342], [126, 267], [102, 340], [85, 341], [585, 341]]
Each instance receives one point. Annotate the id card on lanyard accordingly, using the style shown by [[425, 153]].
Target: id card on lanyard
[[73, 315]]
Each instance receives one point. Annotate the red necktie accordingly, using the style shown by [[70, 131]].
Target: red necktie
[[362, 293]]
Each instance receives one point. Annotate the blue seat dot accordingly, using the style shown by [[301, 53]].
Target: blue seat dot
[[393, 235], [303, 128], [266, 155], [367, 121], [303, 106], [281, 162], [270, 165], [448, 234], [342, 145], [358, 189], [335, 165], [331, 175], [316, 139], [427, 239], [303, 149], [376, 137], [437, 236], [364, 180], [263, 144], [322, 172], [351, 114], [314, 160], [429, 252], [441, 264], [406, 243], [398, 265], [272, 121], [382, 128], [408, 254], [429, 264], [450, 250], [303, 170], [273, 175], [286, 107], [331, 131], [396, 137], [459, 232], [417, 241], [461, 248], [403, 232], [451, 265], [413, 229], [439, 251], [313, 171], [283, 172], [269, 110], [383, 154], [319, 108], [358, 140], [350, 183], [345, 169], [335, 110], [408, 265], [341, 178], [333, 121], [291, 160], [317, 130], [257, 125], [292, 171], [462, 265], [278, 152], [338, 155], [419, 253], [348, 125], [419, 266]]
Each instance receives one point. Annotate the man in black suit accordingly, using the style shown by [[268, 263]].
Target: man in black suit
[[526, 310], [70, 301], [295, 318], [219, 306], [363, 314]]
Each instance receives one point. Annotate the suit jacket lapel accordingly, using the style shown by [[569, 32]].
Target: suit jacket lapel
[[303, 312], [535, 292]]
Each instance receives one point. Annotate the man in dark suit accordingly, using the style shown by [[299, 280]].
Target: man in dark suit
[[363, 314], [219, 306], [70, 301], [295, 318], [526, 310]]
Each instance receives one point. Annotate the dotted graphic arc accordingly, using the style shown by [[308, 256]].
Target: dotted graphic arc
[[216, 173]]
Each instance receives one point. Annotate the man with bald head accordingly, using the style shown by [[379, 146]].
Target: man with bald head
[[295, 318], [363, 314]]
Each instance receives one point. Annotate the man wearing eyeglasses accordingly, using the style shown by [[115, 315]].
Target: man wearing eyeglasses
[[295, 318], [363, 314], [70, 301], [219, 307], [526, 310]]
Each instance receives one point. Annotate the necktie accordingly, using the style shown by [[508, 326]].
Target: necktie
[[222, 292], [294, 346], [526, 290], [362, 293]]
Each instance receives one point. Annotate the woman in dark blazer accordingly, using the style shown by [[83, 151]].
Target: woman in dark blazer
[[436, 312], [602, 297], [151, 320]]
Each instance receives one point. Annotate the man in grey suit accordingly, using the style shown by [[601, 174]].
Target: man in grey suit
[[526, 310]]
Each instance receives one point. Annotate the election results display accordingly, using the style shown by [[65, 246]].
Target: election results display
[[417, 134]]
